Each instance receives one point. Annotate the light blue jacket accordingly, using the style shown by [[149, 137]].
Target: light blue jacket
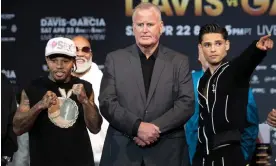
[[249, 136]]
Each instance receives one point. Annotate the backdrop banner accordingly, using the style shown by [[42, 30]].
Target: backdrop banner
[[28, 24]]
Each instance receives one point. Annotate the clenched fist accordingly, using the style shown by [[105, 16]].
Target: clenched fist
[[49, 99], [79, 91], [271, 118]]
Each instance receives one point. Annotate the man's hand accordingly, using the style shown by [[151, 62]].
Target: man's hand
[[265, 43], [49, 99], [139, 142], [79, 91], [271, 118], [149, 133]]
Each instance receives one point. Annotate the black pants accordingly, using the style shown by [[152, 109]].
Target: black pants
[[142, 164], [230, 155]]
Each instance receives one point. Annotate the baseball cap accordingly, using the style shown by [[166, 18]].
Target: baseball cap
[[60, 45]]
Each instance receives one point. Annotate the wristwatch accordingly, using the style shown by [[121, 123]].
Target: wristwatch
[[6, 159]]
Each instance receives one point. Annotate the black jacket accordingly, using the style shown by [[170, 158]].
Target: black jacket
[[8, 108], [223, 108]]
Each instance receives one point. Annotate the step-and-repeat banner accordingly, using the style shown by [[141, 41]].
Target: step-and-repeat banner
[[28, 24]]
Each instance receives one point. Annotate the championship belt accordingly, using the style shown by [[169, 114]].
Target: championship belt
[[65, 113]]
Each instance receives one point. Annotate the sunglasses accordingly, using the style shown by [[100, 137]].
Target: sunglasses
[[84, 49]]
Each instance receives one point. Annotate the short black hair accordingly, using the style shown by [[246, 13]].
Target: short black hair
[[212, 28]]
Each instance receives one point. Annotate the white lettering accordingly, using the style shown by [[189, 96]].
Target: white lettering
[[52, 22], [238, 31], [87, 22], [258, 90], [59, 30], [45, 30], [265, 29], [261, 67], [9, 73], [129, 31], [168, 30], [183, 30]]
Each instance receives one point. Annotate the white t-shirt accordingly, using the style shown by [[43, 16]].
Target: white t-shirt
[[94, 76]]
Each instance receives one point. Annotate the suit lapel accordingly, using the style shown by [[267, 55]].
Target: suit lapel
[[157, 71], [137, 71]]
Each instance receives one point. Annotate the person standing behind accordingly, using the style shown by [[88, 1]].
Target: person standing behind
[[271, 118], [8, 107], [89, 71]]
